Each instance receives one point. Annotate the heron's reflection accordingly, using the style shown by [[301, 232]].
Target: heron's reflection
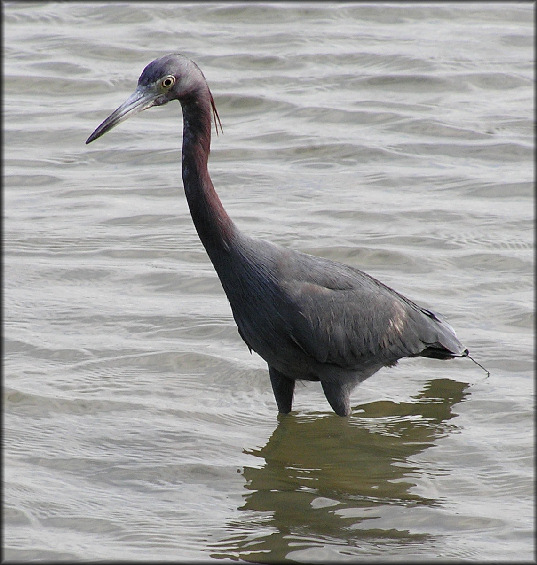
[[323, 477]]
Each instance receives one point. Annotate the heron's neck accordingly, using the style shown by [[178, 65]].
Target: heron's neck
[[213, 225]]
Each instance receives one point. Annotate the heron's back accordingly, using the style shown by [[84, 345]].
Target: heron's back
[[313, 318]]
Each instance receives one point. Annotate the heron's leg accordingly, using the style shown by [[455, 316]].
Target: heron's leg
[[283, 388], [338, 395]]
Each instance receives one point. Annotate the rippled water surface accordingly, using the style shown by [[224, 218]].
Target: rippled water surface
[[396, 138]]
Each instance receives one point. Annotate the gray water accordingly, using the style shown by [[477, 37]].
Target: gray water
[[396, 138]]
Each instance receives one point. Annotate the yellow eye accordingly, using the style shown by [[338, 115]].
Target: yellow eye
[[167, 82]]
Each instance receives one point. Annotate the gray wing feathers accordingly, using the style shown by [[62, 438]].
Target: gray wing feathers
[[347, 318]]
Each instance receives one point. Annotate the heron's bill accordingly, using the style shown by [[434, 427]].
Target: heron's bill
[[141, 99]]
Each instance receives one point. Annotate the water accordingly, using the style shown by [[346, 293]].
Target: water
[[396, 138]]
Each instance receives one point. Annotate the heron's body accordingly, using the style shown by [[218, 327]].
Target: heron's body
[[308, 317]]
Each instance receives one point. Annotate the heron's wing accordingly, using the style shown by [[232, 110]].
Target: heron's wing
[[342, 316]]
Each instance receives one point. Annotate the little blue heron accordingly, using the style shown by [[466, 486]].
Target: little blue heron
[[308, 317]]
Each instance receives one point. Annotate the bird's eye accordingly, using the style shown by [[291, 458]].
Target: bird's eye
[[168, 82]]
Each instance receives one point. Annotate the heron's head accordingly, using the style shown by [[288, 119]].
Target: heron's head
[[172, 77]]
